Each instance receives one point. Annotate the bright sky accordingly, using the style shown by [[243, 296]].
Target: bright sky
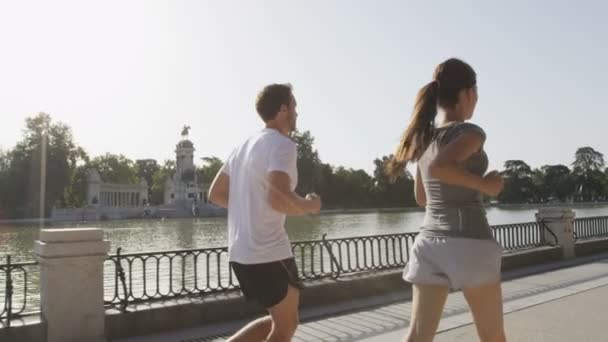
[[127, 75]]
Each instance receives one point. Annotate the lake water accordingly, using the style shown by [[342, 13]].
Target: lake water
[[154, 235]]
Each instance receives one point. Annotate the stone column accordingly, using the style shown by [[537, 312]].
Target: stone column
[[560, 221], [71, 283], [93, 188]]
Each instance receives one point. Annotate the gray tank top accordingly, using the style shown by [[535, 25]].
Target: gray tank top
[[454, 211]]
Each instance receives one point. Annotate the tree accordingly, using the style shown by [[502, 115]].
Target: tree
[[4, 167], [587, 159], [308, 163], [399, 193], [46, 152], [146, 168], [558, 182], [114, 168], [4, 161], [159, 179], [76, 193], [211, 166], [587, 169], [325, 185], [519, 184], [351, 188]]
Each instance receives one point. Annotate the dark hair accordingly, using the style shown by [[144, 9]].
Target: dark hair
[[271, 98], [449, 78]]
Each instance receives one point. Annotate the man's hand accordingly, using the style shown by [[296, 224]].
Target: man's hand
[[316, 202]]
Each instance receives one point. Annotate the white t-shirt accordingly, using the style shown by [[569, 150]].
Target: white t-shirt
[[256, 232]]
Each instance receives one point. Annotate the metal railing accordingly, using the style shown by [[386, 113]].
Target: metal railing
[[170, 274], [521, 235], [141, 277], [333, 257], [18, 290], [590, 227]]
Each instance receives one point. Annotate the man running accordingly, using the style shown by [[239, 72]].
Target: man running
[[256, 185]]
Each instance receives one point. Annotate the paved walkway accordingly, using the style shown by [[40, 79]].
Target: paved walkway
[[565, 301]]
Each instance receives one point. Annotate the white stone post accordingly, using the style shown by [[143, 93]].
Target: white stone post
[[560, 221], [71, 283]]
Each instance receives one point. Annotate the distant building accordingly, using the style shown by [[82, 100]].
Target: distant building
[[183, 187], [183, 196], [104, 194]]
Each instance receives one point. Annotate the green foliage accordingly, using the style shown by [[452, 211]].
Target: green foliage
[[47, 151]]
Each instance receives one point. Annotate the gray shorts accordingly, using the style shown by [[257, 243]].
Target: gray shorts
[[454, 262]]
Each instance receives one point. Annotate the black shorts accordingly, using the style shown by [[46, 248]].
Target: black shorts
[[267, 283]]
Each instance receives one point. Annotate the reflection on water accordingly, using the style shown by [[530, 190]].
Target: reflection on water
[[149, 235]]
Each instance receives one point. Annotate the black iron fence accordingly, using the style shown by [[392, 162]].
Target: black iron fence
[[140, 277], [333, 257], [522, 235], [590, 227], [18, 290], [169, 274]]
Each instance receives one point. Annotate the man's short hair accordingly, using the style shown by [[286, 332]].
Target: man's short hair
[[271, 98]]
